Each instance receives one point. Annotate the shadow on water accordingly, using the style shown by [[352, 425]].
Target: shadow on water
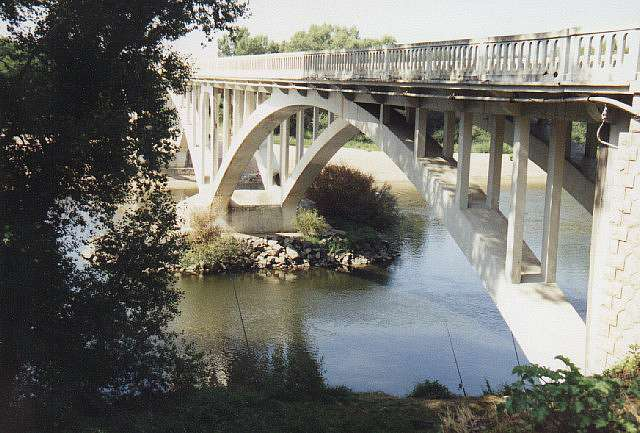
[[385, 329]]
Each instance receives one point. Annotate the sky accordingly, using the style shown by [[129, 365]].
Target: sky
[[426, 20]]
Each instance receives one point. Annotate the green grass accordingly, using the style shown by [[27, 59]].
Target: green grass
[[219, 410]]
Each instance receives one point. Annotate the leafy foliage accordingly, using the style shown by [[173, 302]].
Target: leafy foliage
[[85, 128], [222, 254], [566, 401], [203, 227], [240, 42], [431, 389], [344, 193], [629, 368], [332, 37], [310, 223]]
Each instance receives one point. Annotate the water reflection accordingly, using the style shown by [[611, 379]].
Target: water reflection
[[385, 330]]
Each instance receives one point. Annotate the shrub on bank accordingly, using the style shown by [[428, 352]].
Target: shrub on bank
[[310, 223], [431, 389], [345, 194], [203, 228], [566, 401], [222, 254]]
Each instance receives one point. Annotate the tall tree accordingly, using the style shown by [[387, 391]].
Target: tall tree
[[239, 42], [332, 37], [86, 126]]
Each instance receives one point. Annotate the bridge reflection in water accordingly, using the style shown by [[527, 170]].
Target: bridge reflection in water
[[525, 90]]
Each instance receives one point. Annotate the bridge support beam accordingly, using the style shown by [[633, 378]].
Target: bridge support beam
[[238, 109], [560, 136], [226, 121], [515, 227], [213, 130], [449, 134], [613, 300], [315, 123], [299, 135], [202, 133], [269, 163], [464, 159], [284, 151], [250, 103], [420, 132], [495, 162]]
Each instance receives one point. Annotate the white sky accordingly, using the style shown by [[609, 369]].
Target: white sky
[[423, 20]]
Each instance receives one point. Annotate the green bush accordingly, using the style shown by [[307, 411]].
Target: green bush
[[344, 193], [310, 223], [431, 389], [629, 368], [566, 401], [203, 228], [224, 253]]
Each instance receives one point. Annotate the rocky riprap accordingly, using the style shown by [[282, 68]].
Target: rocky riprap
[[292, 253]]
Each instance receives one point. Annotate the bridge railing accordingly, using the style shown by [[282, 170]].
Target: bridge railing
[[572, 55]]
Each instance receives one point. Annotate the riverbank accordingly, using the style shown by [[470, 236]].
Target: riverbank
[[291, 252]]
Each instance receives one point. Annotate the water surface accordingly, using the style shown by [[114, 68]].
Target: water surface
[[388, 329]]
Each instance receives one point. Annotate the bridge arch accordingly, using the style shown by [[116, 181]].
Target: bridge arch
[[350, 119]]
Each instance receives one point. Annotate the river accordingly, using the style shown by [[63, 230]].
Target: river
[[386, 330]]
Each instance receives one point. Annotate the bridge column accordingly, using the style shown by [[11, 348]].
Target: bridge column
[[194, 116], [284, 151], [613, 301], [515, 227], [560, 135], [299, 135], [238, 109], [449, 134], [213, 129], [203, 132], [226, 120], [591, 142], [249, 103], [331, 117], [464, 159], [420, 133], [269, 162], [495, 162], [315, 123]]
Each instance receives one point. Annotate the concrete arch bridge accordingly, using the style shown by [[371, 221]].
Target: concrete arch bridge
[[525, 90]]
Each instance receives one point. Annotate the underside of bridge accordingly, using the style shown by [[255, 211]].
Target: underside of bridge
[[241, 111]]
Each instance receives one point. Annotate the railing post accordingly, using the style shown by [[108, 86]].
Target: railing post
[[515, 227]]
